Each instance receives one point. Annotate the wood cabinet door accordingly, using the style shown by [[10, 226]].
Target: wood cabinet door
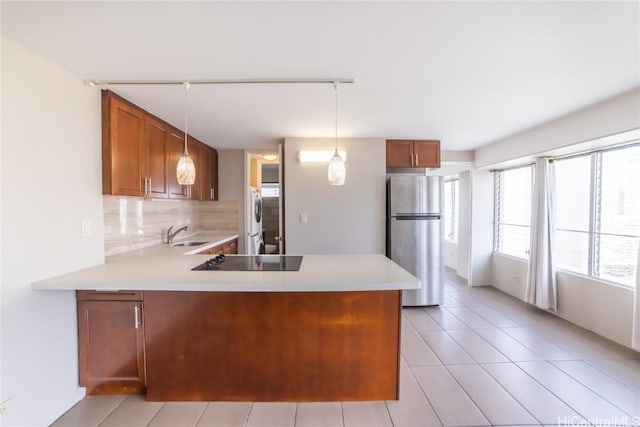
[[155, 151], [205, 173], [111, 347], [214, 172], [175, 147], [399, 153], [208, 173], [125, 149], [194, 151], [426, 154], [231, 247]]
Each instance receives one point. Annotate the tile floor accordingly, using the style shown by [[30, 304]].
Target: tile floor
[[483, 358]]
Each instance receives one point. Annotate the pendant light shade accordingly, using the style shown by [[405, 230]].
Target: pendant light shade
[[186, 169], [336, 172]]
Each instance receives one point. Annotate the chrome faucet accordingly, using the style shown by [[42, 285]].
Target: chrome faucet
[[172, 234]]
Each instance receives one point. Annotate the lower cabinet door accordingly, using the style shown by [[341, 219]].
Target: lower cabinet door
[[111, 347], [232, 247]]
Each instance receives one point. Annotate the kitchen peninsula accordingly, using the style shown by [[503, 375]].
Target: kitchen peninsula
[[328, 332]]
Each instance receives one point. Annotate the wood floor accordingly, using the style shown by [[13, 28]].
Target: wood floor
[[483, 358]]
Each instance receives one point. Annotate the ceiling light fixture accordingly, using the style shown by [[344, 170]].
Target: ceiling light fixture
[[186, 169], [336, 171], [269, 157]]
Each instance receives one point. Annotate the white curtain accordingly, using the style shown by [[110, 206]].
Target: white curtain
[[635, 340], [541, 275]]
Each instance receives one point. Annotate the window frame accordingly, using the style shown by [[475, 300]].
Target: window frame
[[595, 214], [497, 209], [455, 195]]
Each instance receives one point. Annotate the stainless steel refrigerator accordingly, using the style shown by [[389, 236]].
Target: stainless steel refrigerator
[[414, 234]]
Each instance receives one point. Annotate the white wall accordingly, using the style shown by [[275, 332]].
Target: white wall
[[450, 254], [340, 219], [614, 115], [51, 175], [231, 186], [481, 241], [599, 307], [464, 224], [509, 275]]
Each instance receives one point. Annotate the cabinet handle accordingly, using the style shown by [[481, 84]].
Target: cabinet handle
[[416, 160], [149, 186], [212, 194], [411, 159], [136, 316], [145, 187]]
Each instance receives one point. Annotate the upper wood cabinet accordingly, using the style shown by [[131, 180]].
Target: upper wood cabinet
[[409, 153], [175, 147], [209, 174], [155, 158], [123, 161], [140, 154], [194, 191]]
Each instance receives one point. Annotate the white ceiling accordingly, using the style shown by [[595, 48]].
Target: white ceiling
[[466, 73]]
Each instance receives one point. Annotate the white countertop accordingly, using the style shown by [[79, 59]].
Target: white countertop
[[168, 268]]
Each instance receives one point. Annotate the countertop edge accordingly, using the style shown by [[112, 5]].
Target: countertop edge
[[234, 287], [166, 268]]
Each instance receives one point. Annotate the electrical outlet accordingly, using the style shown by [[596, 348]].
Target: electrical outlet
[[4, 406], [303, 218]]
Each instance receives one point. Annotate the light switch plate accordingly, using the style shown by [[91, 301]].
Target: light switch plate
[[86, 228]]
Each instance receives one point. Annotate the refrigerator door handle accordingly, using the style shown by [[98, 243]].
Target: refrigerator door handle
[[413, 217]]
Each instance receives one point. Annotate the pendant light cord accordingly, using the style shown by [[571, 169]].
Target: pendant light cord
[[186, 85], [335, 86]]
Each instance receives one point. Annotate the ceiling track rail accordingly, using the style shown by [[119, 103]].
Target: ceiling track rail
[[92, 83]]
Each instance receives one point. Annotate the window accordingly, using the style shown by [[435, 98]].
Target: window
[[573, 213], [451, 209], [513, 211], [598, 213]]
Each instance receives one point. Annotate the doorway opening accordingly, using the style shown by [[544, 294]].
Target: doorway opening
[[265, 183], [270, 207]]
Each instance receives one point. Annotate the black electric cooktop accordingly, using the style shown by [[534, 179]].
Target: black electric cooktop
[[251, 263]]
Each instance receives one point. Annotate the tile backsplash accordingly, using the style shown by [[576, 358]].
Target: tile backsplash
[[133, 223]]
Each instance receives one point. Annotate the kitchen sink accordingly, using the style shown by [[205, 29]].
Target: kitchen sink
[[189, 243]]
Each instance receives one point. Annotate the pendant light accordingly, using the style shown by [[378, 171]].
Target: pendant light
[[186, 169], [336, 172]]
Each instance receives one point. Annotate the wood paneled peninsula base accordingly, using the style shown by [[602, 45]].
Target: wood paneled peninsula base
[[272, 346], [328, 332]]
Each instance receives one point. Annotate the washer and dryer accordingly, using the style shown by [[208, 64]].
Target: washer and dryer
[[255, 242]]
